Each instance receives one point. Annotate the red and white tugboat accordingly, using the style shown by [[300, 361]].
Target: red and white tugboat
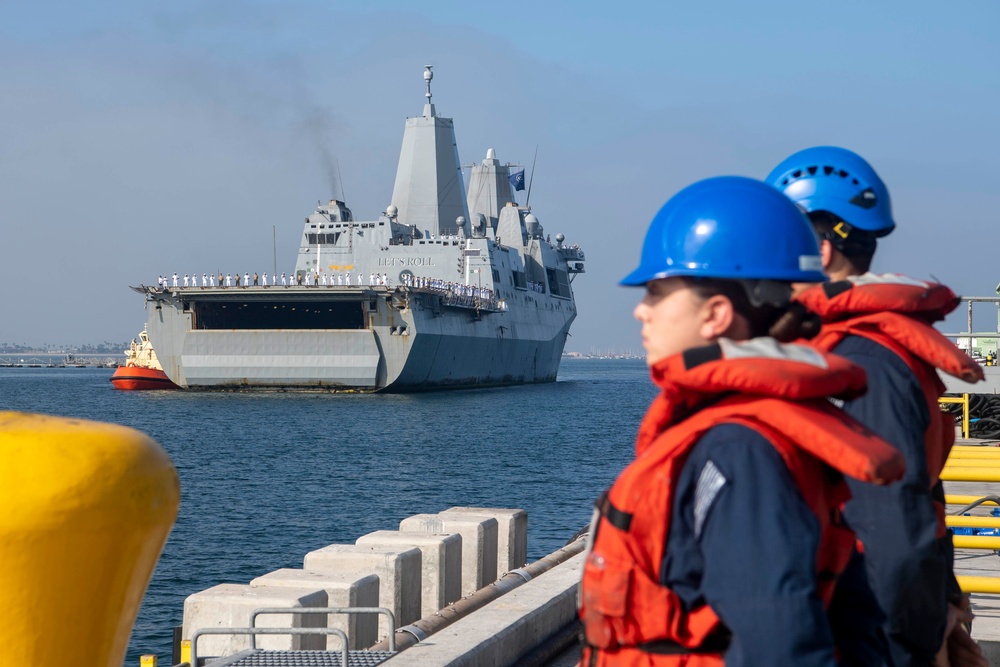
[[142, 369]]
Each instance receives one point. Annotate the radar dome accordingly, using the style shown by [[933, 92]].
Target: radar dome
[[560, 238], [460, 221], [391, 211], [533, 227]]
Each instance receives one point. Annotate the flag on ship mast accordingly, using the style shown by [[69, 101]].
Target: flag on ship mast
[[517, 180]]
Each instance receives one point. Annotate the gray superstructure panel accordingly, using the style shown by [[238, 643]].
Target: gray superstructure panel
[[428, 191]]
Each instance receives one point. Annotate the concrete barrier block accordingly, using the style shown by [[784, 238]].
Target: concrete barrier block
[[479, 544], [230, 606], [398, 570], [512, 534], [343, 589], [441, 557]]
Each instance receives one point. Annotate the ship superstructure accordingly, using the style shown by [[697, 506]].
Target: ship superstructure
[[448, 287]]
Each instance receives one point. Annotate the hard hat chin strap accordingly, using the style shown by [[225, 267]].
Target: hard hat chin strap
[[842, 235]]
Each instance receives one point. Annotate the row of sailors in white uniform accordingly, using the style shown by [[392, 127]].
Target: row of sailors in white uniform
[[455, 288], [308, 279], [374, 279]]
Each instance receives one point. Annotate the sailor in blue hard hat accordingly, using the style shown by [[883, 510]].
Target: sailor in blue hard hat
[[723, 537], [846, 201], [883, 323]]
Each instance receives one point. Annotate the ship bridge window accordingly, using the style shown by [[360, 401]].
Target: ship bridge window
[[329, 239]]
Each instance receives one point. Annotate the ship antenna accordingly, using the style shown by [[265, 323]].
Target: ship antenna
[[428, 75], [531, 178]]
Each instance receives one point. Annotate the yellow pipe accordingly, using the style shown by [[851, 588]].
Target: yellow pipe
[[147, 661], [186, 652], [964, 400], [973, 521], [976, 542], [966, 474], [972, 463], [87, 508], [966, 500], [979, 584]]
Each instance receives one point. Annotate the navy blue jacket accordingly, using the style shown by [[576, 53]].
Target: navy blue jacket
[[910, 570], [743, 540]]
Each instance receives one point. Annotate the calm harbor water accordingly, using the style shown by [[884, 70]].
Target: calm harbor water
[[267, 477]]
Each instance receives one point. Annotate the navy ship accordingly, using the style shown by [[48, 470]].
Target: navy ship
[[448, 287]]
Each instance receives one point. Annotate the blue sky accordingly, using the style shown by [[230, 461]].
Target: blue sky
[[141, 138]]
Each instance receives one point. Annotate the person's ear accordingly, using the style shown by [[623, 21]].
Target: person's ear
[[717, 317], [826, 254]]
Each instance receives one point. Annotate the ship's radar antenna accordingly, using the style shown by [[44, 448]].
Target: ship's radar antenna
[[428, 75]]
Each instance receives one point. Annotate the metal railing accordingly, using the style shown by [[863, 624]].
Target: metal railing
[[964, 400], [969, 333], [253, 631]]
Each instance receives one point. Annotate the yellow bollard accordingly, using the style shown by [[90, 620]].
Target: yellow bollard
[[147, 661], [979, 584], [87, 508], [186, 652]]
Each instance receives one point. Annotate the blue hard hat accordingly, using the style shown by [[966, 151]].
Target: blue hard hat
[[729, 227], [827, 178]]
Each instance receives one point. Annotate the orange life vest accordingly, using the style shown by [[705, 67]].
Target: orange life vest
[[779, 391], [896, 312]]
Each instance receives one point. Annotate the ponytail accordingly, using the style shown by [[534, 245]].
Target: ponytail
[[794, 323]]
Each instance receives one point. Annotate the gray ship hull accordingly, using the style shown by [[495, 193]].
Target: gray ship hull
[[410, 340]]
